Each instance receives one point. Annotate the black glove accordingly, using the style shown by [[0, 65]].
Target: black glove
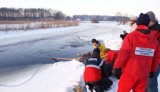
[[123, 36], [151, 75], [117, 72]]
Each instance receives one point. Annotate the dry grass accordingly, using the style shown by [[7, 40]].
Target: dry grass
[[25, 25]]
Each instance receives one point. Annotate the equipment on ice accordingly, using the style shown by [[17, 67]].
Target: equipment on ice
[[80, 57]]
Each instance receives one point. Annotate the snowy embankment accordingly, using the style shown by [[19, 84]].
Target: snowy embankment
[[28, 25], [60, 76]]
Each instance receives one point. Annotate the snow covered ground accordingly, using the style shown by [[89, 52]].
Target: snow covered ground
[[60, 76]]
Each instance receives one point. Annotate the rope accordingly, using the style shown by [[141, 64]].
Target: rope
[[5, 85]]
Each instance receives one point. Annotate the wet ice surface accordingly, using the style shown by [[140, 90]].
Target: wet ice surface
[[35, 47], [41, 51], [21, 53], [26, 51], [25, 57]]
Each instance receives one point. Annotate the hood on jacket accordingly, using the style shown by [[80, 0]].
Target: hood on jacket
[[143, 34]]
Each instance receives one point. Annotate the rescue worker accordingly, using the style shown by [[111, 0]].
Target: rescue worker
[[155, 30], [97, 44], [95, 73], [138, 57], [111, 56], [133, 25]]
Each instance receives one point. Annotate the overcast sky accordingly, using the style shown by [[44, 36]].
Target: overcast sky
[[98, 7]]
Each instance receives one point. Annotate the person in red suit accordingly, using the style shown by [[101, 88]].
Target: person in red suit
[[111, 55], [110, 58], [138, 57], [154, 26]]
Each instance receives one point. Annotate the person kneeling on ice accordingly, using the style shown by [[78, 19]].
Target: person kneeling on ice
[[111, 56], [138, 57], [97, 44], [95, 73]]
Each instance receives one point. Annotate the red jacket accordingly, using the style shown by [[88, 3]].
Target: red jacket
[[139, 54], [111, 56], [93, 72], [155, 30], [156, 34]]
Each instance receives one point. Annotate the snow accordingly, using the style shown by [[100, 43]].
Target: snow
[[60, 76]]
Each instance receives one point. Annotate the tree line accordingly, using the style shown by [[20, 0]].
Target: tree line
[[117, 18], [31, 14]]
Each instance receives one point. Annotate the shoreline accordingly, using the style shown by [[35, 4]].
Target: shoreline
[[30, 25]]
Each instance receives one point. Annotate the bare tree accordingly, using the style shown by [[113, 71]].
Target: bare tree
[[30, 14], [59, 15]]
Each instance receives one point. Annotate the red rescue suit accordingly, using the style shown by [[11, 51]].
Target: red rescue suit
[[137, 57]]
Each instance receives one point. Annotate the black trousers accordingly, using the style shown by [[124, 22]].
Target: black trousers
[[109, 68], [103, 84]]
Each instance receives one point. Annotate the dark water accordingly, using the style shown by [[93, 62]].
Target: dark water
[[41, 51], [19, 58]]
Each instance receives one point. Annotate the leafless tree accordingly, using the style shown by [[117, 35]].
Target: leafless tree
[[30, 14]]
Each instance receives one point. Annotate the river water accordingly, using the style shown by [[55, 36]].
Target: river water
[[17, 57]]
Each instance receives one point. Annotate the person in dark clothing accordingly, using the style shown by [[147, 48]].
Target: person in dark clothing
[[95, 74], [97, 44], [123, 35], [154, 26], [155, 31]]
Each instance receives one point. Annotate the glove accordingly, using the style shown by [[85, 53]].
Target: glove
[[123, 36], [151, 75], [117, 72]]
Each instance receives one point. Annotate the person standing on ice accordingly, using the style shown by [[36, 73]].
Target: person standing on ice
[[123, 35], [95, 72], [97, 44], [133, 25], [138, 57], [155, 30]]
